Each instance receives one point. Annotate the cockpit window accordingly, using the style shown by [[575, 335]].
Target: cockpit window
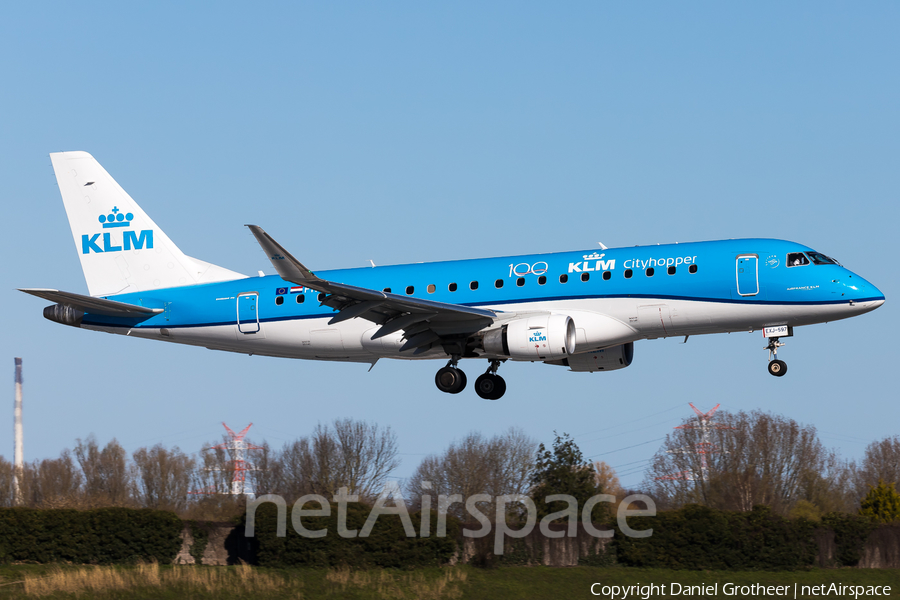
[[820, 259], [797, 259]]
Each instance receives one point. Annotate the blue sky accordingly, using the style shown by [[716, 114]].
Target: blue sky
[[408, 132]]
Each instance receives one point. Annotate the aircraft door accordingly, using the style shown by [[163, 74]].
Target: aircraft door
[[747, 269], [247, 313]]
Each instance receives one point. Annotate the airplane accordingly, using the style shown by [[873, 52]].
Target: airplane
[[583, 310]]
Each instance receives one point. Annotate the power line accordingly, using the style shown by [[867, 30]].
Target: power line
[[629, 431], [632, 421], [633, 463], [627, 447]]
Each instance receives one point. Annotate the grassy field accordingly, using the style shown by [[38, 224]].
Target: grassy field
[[152, 581]]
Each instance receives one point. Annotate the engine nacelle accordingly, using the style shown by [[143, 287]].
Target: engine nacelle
[[544, 337], [608, 359]]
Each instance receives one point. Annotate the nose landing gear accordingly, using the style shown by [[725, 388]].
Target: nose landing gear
[[776, 367], [451, 379], [490, 386]]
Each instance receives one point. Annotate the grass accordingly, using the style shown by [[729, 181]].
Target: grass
[[462, 583]]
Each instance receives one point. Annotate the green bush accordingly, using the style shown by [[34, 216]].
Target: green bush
[[850, 535], [200, 532], [102, 536], [387, 545], [881, 504], [697, 537]]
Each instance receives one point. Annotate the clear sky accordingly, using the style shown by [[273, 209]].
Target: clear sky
[[409, 131]]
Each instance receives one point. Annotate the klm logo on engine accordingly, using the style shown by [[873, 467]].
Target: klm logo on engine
[[537, 335], [105, 242], [592, 262]]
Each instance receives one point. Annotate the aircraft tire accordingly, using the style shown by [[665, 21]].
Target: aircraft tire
[[490, 387], [450, 380], [777, 368]]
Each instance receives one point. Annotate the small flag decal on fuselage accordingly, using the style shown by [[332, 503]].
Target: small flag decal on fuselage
[[297, 289], [281, 291]]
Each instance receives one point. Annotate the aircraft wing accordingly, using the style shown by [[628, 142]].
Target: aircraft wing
[[89, 304], [425, 323]]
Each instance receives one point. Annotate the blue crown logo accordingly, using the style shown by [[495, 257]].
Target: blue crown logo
[[116, 218]]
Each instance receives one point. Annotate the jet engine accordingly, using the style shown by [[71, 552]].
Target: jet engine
[[543, 337], [608, 359]]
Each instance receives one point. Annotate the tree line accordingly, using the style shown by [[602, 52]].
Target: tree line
[[756, 458]]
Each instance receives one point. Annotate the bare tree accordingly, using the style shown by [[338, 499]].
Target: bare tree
[[881, 461], [266, 471], [763, 459], [107, 480], [608, 480], [295, 466], [7, 494], [503, 464], [162, 477], [353, 454], [53, 483]]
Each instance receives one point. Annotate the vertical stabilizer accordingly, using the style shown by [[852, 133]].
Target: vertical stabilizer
[[121, 248]]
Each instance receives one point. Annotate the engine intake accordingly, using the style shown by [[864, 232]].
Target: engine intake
[[544, 337]]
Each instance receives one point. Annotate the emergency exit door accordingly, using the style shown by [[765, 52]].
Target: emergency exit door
[[748, 275]]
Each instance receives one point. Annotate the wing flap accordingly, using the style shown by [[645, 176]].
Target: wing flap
[[89, 304]]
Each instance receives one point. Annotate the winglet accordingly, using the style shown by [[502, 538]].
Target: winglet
[[288, 267]]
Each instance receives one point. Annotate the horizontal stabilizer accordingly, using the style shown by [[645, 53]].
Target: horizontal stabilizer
[[97, 306]]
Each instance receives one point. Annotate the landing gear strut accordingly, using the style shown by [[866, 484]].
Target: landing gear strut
[[490, 386], [451, 379], [776, 367]]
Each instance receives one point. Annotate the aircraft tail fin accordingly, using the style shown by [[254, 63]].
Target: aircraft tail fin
[[121, 249]]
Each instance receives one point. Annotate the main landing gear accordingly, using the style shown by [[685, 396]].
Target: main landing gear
[[490, 386], [776, 367], [452, 380]]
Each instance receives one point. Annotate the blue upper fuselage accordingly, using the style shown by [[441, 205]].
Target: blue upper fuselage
[[702, 271]]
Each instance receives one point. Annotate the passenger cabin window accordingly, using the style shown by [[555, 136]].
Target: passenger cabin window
[[452, 287], [542, 280], [301, 298], [563, 278], [321, 296], [498, 284], [692, 269], [585, 276], [279, 300], [820, 259], [386, 290], [650, 271], [410, 289], [431, 288], [797, 259], [473, 285], [607, 275], [628, 273], [671, 270], [520, 281]]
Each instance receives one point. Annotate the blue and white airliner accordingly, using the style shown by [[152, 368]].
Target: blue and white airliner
[[583, 310]]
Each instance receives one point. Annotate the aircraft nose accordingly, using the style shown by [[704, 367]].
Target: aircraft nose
[[867, 296]]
